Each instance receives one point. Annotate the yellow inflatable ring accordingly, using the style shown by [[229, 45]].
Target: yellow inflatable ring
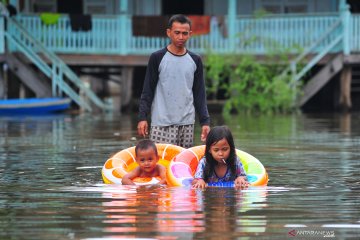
[[124, 161], [182, 168]]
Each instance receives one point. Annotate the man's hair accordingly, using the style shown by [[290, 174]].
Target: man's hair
[[145, 144], [179, 18]]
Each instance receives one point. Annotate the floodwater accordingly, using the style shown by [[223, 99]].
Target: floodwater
[[51, 185]]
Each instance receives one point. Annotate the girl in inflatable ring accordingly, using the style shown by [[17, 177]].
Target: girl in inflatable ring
[[220, 163]]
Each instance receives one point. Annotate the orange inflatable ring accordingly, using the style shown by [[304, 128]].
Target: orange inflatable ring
[[124, 161], [182, 168]]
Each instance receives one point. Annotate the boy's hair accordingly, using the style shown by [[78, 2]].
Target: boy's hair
[[216, 134], [179, 18], [145, 144]]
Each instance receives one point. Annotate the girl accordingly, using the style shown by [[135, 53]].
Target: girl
[[220, 163]]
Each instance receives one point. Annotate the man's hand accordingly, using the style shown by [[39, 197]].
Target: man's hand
[[204, 132], [142, 128]]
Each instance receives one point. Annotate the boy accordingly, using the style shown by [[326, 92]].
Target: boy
[[147, 158]]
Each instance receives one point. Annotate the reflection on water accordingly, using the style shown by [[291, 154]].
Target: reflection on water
[[188, 213], [51, 187]]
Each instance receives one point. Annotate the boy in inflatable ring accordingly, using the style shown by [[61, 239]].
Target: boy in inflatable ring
[[147, 158]]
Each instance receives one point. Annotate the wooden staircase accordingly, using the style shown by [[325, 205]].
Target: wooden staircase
[[331, 40], [63, 80], [318, 81], [35, 81]]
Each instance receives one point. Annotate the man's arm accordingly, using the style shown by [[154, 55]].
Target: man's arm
[[200, 102], [148, 91], [199, 93]]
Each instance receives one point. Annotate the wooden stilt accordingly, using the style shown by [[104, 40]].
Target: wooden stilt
[[345, 123], [345, 88], [126, 85], [3, 82]]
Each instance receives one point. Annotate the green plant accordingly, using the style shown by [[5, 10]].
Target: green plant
[[252, 85], [218, 69]]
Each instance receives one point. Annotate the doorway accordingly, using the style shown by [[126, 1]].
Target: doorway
[[354, 6], [187, 7], [70, 6]]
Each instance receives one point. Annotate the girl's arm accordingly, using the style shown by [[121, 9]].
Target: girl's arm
[[241, 180], [162, 174], [127, 179], [198, 183], [240, 171]]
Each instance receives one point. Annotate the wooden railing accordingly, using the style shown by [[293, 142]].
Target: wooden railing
[[113, 35], [355, 33], [329, 41], [282, 31]]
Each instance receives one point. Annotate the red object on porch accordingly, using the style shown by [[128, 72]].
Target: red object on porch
[[200, 24]]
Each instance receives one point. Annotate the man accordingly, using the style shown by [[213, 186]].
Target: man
[[174, 89]]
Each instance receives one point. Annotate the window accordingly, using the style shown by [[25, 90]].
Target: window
[[44, 6], [285, 6], [99, 7]]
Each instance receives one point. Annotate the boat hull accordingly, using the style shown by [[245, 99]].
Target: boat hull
[[34, 105]]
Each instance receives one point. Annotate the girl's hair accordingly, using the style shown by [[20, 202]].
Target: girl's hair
[[145, 144], [179, 18], [215, 135]]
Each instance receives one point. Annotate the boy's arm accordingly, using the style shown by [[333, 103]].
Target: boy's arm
[[127, 179], [162, 174]]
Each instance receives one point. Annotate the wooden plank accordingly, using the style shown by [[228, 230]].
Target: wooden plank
[[352, 59], [142, 60], [104, 60], [28, 76]]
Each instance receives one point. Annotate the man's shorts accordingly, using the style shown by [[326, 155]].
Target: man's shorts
[[181, 135]]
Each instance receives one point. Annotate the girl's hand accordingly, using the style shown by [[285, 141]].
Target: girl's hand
[[198, 183], [241, 182]]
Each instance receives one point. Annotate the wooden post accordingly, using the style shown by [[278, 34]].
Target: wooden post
[[123, 26], [126, 85], [3, 81], [345, 123], [345, 88], [2, 35], [346, 74], [346, 24], [231, 23]]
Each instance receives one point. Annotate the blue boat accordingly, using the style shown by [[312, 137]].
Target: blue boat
[[34, 105]]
